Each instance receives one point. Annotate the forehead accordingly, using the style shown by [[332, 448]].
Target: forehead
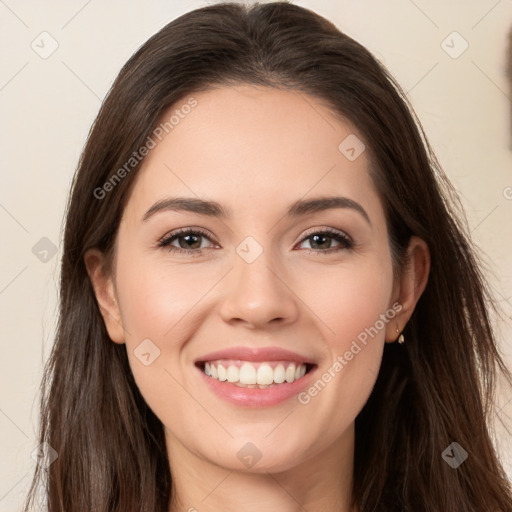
[[248, 146]]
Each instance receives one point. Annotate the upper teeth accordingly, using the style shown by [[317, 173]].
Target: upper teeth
[[259, 373]]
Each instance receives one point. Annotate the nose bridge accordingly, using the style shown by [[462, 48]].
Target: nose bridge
[[256, 288]]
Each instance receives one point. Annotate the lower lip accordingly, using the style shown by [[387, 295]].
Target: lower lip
[[256, 397]]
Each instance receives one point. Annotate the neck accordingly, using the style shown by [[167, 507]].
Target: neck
[[322, 481]]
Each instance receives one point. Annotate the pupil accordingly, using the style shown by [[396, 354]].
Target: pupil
[[318, 240], [316, 237], [187, 237]]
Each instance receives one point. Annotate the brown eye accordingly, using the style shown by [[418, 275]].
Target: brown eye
[[322, 241], [189, 241]]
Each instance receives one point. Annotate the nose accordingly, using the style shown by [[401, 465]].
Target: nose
[[258, 294]]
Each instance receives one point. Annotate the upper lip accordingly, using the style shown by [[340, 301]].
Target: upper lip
[[256, 355]]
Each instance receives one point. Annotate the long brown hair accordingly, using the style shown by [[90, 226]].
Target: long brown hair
[[435, 390]]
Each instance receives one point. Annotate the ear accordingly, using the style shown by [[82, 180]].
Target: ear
[[410, 285], [104, 289]]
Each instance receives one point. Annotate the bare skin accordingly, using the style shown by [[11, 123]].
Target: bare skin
[[256, 151]]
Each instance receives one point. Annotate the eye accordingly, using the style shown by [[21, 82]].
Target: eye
[[321, 241], [189, 241]]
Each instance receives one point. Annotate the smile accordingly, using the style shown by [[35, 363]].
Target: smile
[[256, 377], [252, 374]]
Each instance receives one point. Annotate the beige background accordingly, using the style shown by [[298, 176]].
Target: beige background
[[48, 104]]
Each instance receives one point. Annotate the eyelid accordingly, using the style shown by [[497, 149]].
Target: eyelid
[[187, 230], [340, 236], [326, 229]]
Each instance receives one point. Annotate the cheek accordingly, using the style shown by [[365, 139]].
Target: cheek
[[354, 310], [157, 303], [165, 303], [160, 301], [155, 298], [349, 299]]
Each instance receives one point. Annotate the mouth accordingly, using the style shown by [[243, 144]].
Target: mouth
[[255, 377], [251, 374]]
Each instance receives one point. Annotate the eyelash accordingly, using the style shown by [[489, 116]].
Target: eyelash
[[345, 240]]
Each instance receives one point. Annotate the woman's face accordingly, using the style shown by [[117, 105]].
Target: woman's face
[[260, 279]]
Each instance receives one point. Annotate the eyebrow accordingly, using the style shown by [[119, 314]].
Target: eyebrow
[[214, 209]]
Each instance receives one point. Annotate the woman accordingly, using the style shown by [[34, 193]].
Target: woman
[[206, 358]]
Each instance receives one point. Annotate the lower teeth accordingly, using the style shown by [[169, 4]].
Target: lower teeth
[[261, 386]]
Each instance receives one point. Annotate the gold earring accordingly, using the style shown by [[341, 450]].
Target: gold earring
[[401, 338]]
